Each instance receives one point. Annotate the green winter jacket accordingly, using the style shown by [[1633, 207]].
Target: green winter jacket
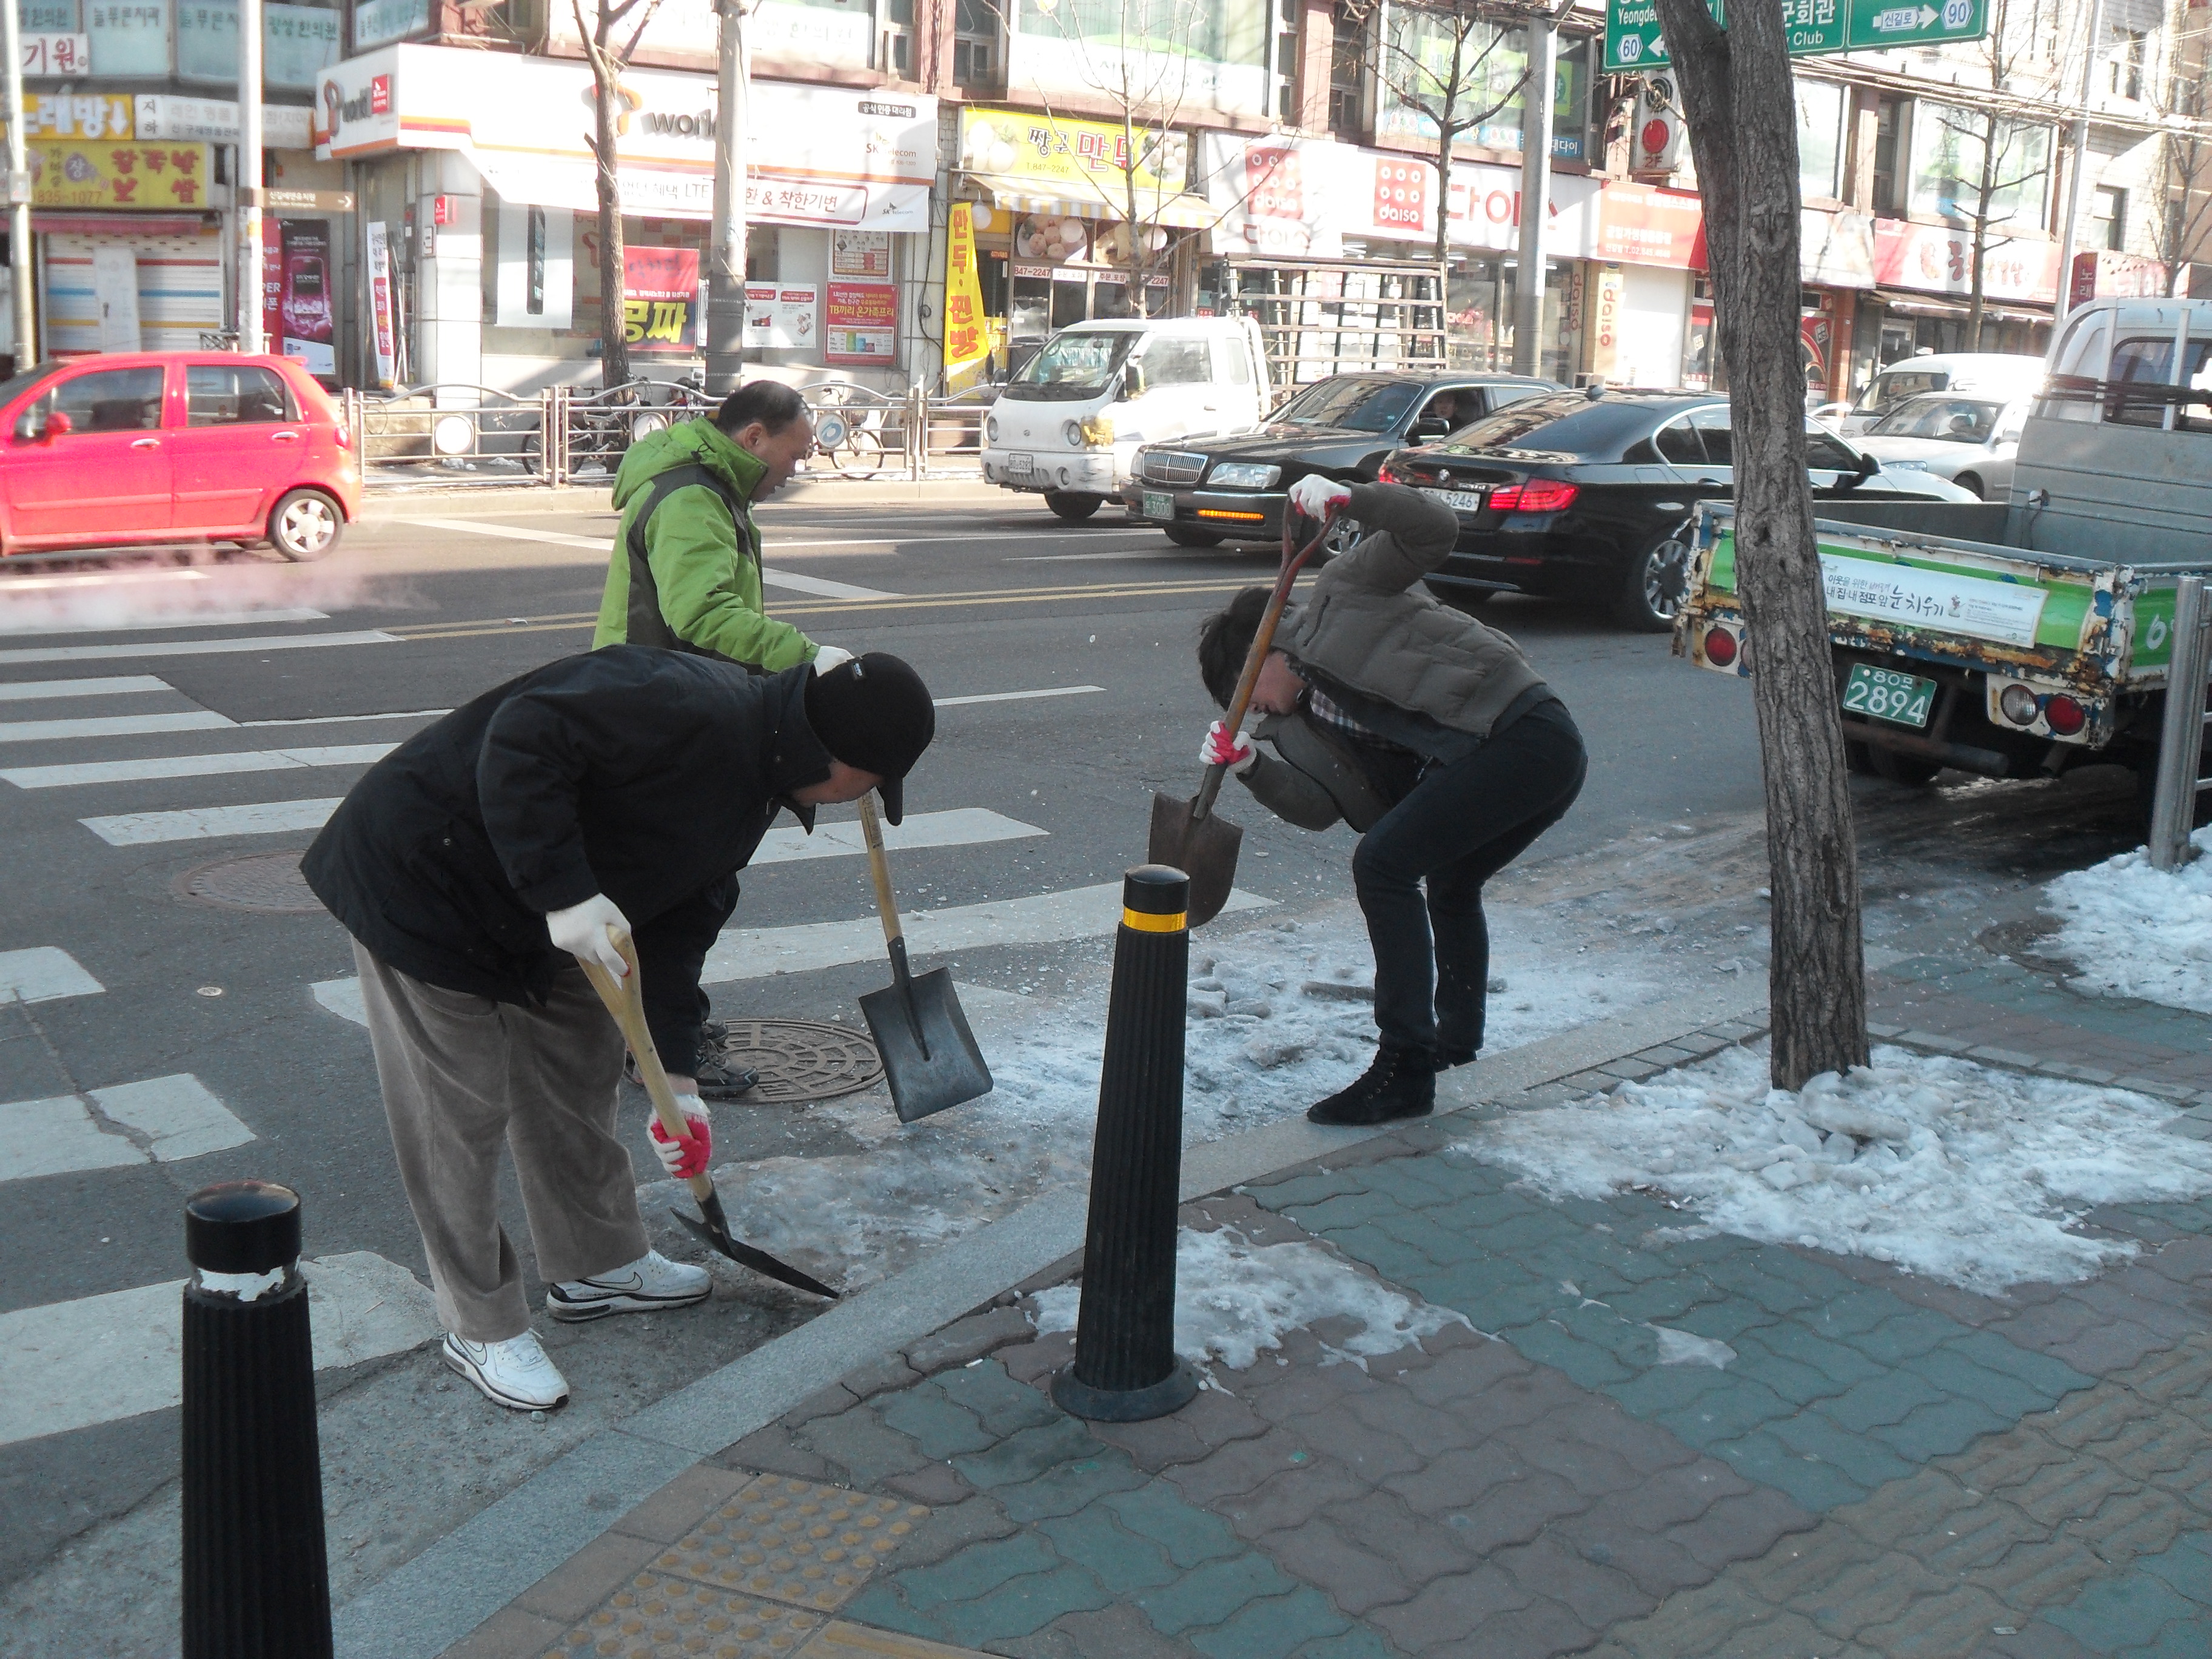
[[698, 586]]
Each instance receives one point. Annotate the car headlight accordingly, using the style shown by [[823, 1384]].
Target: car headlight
[[991, 428], [1096, 431], [1244, 475]]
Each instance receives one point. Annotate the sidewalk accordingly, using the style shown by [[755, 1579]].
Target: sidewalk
[[1882, 1465]]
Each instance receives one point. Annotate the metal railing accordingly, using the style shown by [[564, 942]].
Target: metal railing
[[862, 433], [455, 434], [2181, 739]]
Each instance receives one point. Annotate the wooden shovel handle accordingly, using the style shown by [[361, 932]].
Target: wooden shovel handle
[[625, 1001], [880, 871]]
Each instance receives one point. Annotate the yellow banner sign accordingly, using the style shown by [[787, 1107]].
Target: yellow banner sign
[[85, 173], [1084, 157], [78, 115], [967, 340]]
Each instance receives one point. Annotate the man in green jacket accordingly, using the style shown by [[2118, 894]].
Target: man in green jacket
[[686, 571]]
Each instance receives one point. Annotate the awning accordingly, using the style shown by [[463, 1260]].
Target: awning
[[1183, 210], [1943, 305]]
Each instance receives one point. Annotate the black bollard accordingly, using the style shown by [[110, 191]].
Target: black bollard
[[256, 1584], [1125, 1368]]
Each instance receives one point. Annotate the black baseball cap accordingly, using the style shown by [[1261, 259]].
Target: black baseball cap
[[875, 713]]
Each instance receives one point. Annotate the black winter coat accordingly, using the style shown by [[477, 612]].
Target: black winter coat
[[647, 775]]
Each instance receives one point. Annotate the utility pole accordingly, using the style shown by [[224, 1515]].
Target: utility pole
[[1535, 191], [2078, 185], [726, 252], [20, 268], [246, 183]]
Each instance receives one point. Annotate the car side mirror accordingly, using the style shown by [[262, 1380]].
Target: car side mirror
[[1865, 469], [31, 429], [1427, 428], [1133, 381]]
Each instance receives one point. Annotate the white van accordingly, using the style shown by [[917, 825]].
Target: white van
[[1996, 373], [1069, 424]]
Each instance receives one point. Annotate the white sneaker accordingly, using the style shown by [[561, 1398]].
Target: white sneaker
[[651, 1282], [514, 1373]]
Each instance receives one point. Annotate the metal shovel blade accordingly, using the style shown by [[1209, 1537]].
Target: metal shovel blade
[[711, 1228], [930, 1057], [1205, 849]]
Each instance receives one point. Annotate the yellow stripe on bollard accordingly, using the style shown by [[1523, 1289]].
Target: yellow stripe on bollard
[[1146, 923]]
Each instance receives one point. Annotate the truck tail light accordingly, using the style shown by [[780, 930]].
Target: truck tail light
[[2065, 716], [1537, 496], [1720, 647], [2017, 704]]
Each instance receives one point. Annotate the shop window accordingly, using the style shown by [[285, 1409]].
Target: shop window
[[1972, 165], [975, 45], [1889, 122], [895, 56], [239, 395], [2108, 217], [1821, 109], [111, 400]]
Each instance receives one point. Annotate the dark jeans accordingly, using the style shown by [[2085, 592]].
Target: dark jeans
[[1457, 827]]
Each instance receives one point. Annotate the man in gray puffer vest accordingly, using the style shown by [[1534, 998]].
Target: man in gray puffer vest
[[1422, 729]]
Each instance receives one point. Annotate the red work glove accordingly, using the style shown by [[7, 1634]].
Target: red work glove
[[686, 1156], [1223, 747]]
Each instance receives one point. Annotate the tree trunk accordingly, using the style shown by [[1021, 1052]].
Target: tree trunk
[[614, 334], [1738, 95]]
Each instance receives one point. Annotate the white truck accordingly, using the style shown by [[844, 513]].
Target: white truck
[[2014, 638], [1069, 425]]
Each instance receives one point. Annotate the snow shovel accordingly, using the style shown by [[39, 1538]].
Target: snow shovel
[[1185, 833], [626, 1001], [930, 1057]]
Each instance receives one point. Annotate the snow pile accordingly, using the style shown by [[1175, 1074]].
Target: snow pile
[[2138, 932], [1235, 1299], [1942, 1166]]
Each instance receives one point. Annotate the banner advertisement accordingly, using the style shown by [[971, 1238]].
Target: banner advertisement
[[307, 323], [1194, 57], [1643, 225], [63, 55], [1937, 259], [384, 333], [102, 173], [967, 340], [80, 115], [660, 299], [780, 316], [860, 323]]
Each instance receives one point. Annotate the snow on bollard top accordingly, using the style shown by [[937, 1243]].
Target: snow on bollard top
[[2138, 932], [1941, 1166]]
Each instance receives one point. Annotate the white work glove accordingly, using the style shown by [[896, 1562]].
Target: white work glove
[[581, 931], [827, 657], [1317, 497], [686, 1157], [1223, 747]]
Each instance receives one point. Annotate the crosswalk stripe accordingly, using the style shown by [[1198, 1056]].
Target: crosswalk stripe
[[176, 1116], [203, 822], [112, 725], [71, 1364], [769, 575], [33, 623], [194, 648], [1017, 697], [43, 973], [963, 826], [114, 686], [194, 766], [57, 1136]]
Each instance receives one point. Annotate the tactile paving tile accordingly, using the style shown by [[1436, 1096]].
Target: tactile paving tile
[[792, 1540], [655, 1616]]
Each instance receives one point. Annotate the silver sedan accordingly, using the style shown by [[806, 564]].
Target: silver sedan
[[1969, 441]]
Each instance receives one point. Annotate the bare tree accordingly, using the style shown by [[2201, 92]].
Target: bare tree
[[609, 55], [1739, 98], [2182, 172]]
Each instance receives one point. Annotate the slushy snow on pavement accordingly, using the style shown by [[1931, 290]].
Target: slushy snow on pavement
[[2137, 932], [1941, 1166]]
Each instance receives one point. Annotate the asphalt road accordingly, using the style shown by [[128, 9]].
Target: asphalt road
[[1077, 639]]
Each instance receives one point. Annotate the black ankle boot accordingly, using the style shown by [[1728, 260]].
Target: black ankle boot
[[1401, 1082], [1448, 1057]]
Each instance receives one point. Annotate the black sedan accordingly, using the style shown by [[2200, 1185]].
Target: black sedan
[[1206, 491], [1588, 496]]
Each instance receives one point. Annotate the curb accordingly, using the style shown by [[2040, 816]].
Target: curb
[[466, 1578]]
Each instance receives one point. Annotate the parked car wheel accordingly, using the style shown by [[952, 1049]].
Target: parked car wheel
[[1183, 536], [1911, 770], [1969, 481], [1658, 581], [305, 526], [1071, 506]]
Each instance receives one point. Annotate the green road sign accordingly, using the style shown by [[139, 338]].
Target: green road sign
[[1633, 41]]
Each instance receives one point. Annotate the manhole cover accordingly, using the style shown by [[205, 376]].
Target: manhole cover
[[267, 882], [802, 1061]]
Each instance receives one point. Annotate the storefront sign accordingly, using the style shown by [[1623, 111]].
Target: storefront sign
[[780, 316], [1090, 161], [380, 22], [49, 17], [163, 115], [91, 173], [1643, 225], [863, 253], [966, 338], [129, 37], [1937, 259], [1217, 51], [80, 115], [861, 322], [1605, 321], [384, 331], [57, 55], [815, 155], [660, 299], [2121, 275]]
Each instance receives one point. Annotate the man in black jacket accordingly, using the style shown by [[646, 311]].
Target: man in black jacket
[[619, 791]]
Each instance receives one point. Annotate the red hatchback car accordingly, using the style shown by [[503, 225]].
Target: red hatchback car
[[166, 447]]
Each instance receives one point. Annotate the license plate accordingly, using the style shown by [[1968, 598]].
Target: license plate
[[1158, 504], [1021, 463], [1464, 500], [1886, 695]]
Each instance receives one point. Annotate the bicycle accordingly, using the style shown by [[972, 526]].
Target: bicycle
[[848, 429]]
